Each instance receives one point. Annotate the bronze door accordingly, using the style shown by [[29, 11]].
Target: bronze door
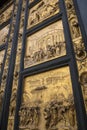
[[48, 87]]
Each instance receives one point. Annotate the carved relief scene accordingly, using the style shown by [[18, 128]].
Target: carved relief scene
[[47, 102], [3, 34], [42, 11], [79, 48], [2, 53], [6, 15], [47, 44]]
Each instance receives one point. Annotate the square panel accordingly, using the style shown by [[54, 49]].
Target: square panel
[[42, 11], [45, 45], [47, 102]]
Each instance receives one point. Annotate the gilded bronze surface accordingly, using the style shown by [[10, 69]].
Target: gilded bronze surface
[[6, 15], [80, 52], [2, 53], [12, 106], [47, 102], [3, 34], [30, 1], [47, 44], [42, 11]]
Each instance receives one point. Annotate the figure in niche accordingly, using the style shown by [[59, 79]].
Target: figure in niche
[[4, 78], [80, 54], [1, 98], [83, 80], [13, 102], [80, 51], [74, 25], [0, 67], [16, 77], [10, 124], [69, 4]]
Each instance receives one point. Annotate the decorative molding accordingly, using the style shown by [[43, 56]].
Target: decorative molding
[[79, 48]]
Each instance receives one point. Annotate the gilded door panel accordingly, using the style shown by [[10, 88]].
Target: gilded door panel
[[3, 34], [1, 58], [46, 44], [42, 11], [47, 102], [6, 15]]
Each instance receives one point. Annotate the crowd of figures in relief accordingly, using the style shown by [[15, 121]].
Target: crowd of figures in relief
[[47, 102]]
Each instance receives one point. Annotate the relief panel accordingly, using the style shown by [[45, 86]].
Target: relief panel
[[42, 11], [2, 53], [46, 44], [47, 102], [6, 15], [3, 34]]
